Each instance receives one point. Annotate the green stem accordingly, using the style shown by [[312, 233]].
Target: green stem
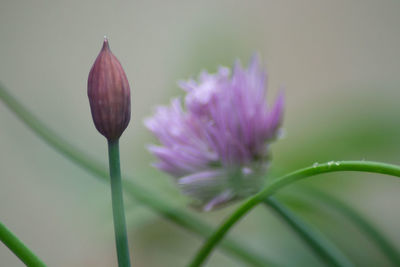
[[371, 232], [121, 237], [144, 196], [363, 166], [18, 248], [321, 246], [196, 226]]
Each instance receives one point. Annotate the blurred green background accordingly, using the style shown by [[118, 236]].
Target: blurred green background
[[338, 62]]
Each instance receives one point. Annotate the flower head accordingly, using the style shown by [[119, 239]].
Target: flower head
[[217, 144], [109, 94]]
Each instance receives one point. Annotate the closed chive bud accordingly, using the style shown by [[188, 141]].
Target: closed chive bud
[[109, 94]]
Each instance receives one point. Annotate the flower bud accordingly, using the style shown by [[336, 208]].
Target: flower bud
[[109, 94]]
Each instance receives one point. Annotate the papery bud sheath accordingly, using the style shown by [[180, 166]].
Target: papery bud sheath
[[109, 94]]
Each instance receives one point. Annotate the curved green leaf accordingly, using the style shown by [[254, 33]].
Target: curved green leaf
[[360, 166]]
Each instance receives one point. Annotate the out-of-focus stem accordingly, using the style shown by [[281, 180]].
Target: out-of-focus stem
[[321, 246], [359, 220], [19, 248]]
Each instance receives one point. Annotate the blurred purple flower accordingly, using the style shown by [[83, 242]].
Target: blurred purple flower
[[217, 147]]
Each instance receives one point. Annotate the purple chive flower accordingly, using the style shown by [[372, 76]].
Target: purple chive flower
[[217, 144]]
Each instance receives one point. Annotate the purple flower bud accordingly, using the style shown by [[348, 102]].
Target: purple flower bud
[[109, 94], [217, 146]]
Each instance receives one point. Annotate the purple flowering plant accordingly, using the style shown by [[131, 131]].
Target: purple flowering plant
[[216, 144]]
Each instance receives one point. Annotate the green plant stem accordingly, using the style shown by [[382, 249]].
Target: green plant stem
[[18, 248], [361, 166], [371, 232], [136, 191], [121, 236], [198, 227], [321, 246]]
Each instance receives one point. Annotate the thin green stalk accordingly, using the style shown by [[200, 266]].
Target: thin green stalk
[[370, 231], [144, 196], [198, 227], [321, 246], [361, 166], [121, 237], [19, 248]]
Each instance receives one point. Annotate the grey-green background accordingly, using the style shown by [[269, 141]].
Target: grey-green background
[[338, 62]]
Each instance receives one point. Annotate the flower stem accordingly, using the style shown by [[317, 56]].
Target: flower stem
[[121, 238], [321, 246], [18, 248], [362, 166]]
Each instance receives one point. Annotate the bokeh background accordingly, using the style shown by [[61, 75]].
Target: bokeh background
[[338, 62]]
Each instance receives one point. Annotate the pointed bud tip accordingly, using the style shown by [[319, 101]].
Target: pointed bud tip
[[106, 45]]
